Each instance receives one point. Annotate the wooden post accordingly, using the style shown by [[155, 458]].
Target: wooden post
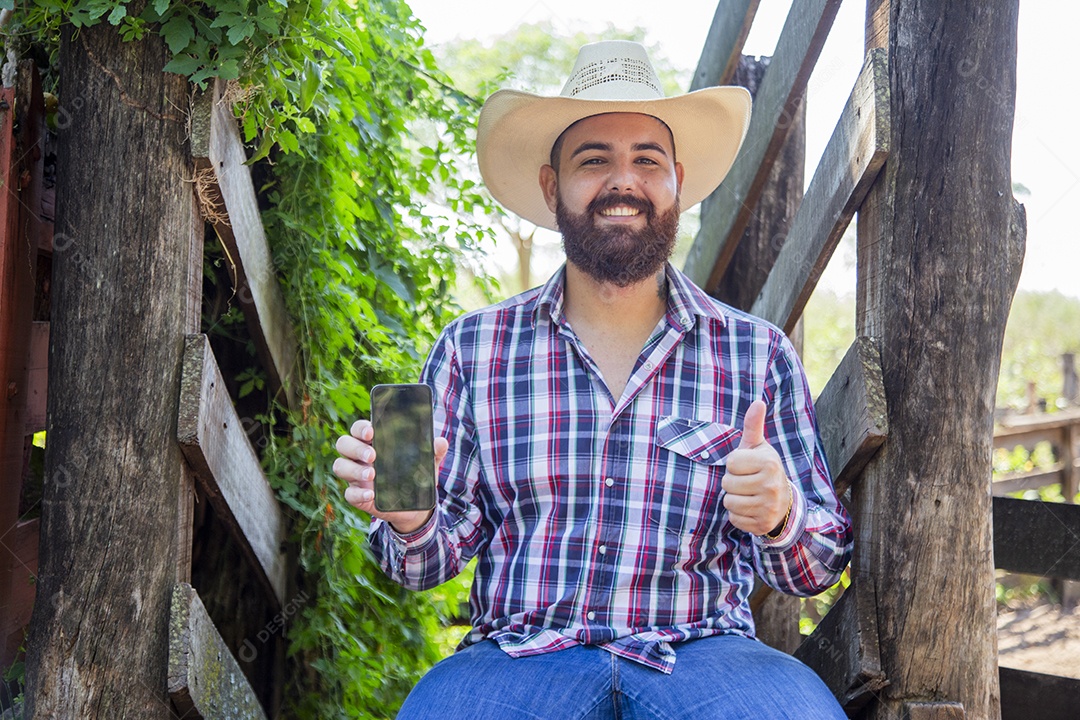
[[939, 259], [1070, 386], [99, 635]]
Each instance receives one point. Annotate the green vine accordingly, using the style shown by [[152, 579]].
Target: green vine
[[369, 215]]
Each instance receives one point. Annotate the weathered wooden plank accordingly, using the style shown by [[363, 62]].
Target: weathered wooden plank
[[727, 211], [851, 161], [215, 444], [1027, 481], [1022, 424], [216, 144], [1037, 538], [205, 681], [933, 711], [37, 377], [724, 43], [843, 649], [761, 241], [852, 417], [1026, 695], [22, 540]]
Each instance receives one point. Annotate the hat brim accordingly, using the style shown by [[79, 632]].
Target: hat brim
[[516, 131]]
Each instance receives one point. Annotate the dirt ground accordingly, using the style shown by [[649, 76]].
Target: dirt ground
[[1044, 638]]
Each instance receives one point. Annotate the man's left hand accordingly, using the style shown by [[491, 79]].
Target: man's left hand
[[758, 496]]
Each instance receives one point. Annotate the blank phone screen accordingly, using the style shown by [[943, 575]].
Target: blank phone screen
[[404, 454]]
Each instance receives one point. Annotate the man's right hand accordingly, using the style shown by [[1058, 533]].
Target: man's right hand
[[356, 466]]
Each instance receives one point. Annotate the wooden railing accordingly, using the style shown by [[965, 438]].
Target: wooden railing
[[846, 648], [205, 676]]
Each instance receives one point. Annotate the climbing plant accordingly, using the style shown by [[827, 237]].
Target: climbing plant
[[368, 219]]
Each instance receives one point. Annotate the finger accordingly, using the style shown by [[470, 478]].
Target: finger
[[744, 485], [746, 505], [441, 446], [750, 461], [353, 472], [361, 498], [362, 430], [351, 448], [753, 433]]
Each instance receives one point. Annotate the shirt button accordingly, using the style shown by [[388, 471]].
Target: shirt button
[[609, 482], [603, 549], [648, 366], [591, 615], [704, 455]]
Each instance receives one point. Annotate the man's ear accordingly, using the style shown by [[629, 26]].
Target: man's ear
[[549, 183], [678, 176]]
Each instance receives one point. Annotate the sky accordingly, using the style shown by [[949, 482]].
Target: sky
[[1046, 154]]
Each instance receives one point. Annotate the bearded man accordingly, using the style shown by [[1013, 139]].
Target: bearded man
[[619, 451]]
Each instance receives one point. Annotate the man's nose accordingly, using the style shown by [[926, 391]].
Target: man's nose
[[622, 177]]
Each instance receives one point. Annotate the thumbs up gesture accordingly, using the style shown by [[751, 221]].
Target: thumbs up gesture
[[758, 496]]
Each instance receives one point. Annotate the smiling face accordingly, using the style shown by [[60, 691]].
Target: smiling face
[[615, 195]]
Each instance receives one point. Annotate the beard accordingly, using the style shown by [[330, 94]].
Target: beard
[[618, 255]]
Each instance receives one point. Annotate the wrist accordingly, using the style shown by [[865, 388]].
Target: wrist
[[409, 526], [777, 531]]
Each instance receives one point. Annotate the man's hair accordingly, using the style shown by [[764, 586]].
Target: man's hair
[[556, 148]]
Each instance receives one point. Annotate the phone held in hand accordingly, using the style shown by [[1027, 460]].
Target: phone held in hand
[[404, 437]]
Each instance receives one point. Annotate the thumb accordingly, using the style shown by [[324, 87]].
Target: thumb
[[753, 433], [441, 446]]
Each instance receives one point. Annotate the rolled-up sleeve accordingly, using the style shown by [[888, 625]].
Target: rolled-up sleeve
[[439, 550], [816, 543]]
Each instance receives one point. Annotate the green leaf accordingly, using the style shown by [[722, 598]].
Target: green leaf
[[178, 32], [240, 32], [7, 4], [183, 64], [160, 6], [119, 13], [309, 84]]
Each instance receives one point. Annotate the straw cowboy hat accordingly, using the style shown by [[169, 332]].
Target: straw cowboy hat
[[517, 129]]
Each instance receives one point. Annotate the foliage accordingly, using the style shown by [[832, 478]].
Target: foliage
[[330, 93], [1042, 326]]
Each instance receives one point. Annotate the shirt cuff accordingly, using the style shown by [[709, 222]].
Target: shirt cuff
[[793, 528], [411, 541]]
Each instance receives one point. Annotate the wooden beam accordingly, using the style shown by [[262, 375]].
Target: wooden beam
[[852, 416], [933, 711], [1027, 481], [727, 211], [214, 442], [1026, 695], [205, 681], [37, 378], [1037, 538], [849, 165], [724, 43], [216, 144], [843, 649], [23, 543], [1031, 423]]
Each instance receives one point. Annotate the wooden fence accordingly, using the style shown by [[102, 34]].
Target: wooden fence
[[906, 418], [221, 661]]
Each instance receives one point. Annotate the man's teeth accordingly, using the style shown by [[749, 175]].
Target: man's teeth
[[620, 211]]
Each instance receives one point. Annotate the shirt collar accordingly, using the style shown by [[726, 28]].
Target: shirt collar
[[686, 301]]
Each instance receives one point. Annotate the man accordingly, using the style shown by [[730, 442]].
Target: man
[[620, 451]]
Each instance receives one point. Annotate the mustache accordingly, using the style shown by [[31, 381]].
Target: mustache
[[606, 202]]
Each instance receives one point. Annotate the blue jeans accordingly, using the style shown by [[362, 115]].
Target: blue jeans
[[722, 677]]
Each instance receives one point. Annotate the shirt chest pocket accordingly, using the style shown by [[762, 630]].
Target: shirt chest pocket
[[687, 499], [703, 442]]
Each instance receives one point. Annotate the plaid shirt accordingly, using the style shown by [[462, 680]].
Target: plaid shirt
[[600, 520]]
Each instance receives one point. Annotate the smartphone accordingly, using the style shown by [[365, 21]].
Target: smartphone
[[404, 437]]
